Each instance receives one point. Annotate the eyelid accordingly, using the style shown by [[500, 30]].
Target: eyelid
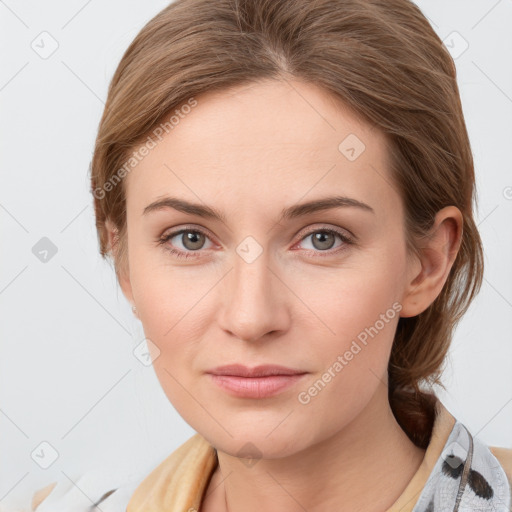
[[342, 232], [347, 239], [172, 232]]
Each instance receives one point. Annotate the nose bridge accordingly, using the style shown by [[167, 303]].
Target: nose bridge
[[251, 304], [251, 274]]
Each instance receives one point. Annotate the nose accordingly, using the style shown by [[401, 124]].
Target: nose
[[254, 300]]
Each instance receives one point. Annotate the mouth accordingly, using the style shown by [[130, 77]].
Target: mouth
[[258, 382]]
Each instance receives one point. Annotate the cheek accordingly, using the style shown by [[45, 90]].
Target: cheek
[[360, 310], [353, 299], [169, 304], [353, 363], [167, 295]]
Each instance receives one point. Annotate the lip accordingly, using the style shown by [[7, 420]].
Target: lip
[[239, 370], [258, 382]]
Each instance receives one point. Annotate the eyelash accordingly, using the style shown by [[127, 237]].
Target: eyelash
[[191, 254]]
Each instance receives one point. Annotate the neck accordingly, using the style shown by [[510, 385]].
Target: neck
[[364, 467]]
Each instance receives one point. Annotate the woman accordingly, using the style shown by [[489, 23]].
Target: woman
[[286, 189]]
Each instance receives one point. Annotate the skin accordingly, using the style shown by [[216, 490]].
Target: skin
[[250, 152]]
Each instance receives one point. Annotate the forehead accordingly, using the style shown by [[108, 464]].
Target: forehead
[[268, 142]]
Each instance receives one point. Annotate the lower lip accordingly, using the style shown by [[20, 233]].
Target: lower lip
[[256, 387]]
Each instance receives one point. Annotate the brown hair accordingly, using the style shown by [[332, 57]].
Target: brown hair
[[381, 58]]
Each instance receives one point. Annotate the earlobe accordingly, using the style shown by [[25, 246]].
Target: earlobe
[[435, 262]]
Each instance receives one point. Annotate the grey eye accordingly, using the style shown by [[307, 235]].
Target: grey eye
[[323, 240], [192, 240]]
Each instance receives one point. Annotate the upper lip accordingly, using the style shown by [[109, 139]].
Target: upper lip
[[240, 370]]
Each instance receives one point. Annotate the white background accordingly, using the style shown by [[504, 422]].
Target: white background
[[68, 374]]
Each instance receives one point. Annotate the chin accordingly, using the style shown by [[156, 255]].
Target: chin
[[257, 441]]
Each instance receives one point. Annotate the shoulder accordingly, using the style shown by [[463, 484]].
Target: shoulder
[[504, 457], [181, 477], [41, 494], [88, 491], [118, 494]]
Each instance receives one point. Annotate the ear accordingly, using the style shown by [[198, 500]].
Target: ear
[[121, 261], [428, 274]]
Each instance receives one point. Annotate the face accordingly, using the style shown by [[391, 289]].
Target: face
[[317, 290]]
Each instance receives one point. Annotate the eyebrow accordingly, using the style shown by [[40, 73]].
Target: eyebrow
[[291, 212]]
